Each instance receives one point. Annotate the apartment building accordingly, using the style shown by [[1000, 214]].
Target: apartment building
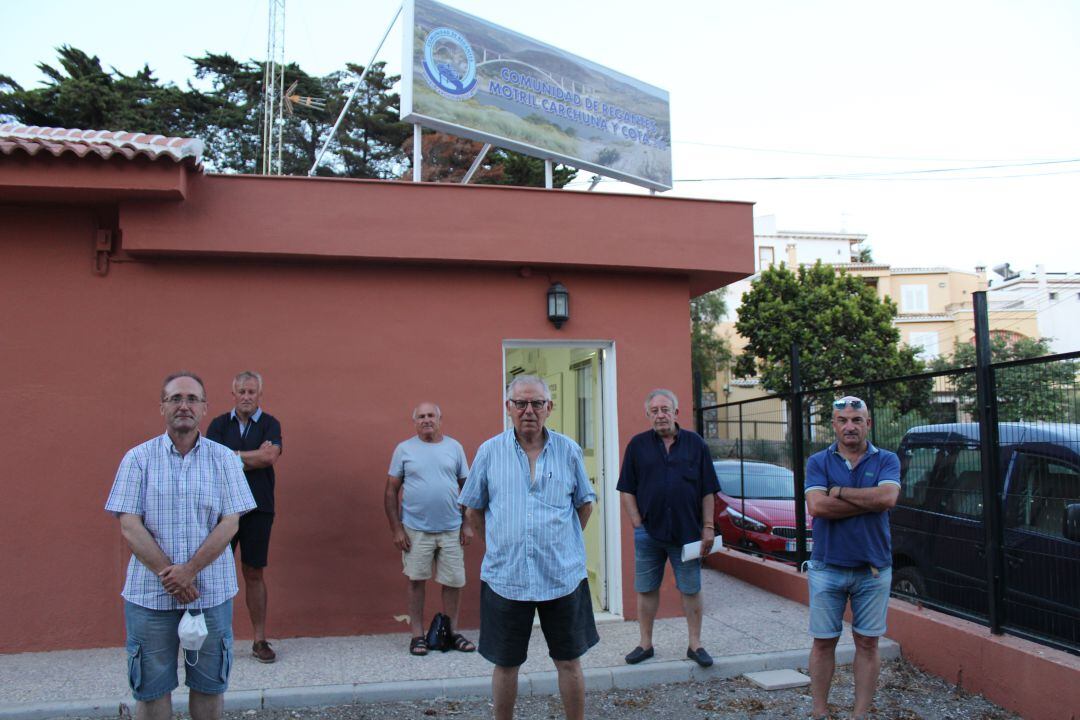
[[1054, 298], [935, 307]]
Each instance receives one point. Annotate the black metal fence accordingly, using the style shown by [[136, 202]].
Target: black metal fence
[[989, 530]]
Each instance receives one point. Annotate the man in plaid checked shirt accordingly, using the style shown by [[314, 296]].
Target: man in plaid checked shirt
[[179, 498]]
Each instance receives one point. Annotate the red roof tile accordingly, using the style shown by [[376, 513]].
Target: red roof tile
[[106, 143]]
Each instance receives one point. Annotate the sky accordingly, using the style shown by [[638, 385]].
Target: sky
[[947, 132]]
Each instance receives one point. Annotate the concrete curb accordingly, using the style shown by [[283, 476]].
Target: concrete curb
[[538, 683]]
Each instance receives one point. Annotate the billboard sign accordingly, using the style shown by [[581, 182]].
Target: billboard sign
[[468, 77]]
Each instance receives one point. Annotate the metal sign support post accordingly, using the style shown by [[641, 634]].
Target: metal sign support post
[[548, 182], [356, 88], [476, 164], [417, 151]]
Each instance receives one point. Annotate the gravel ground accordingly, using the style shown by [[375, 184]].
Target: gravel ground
[[904, 693]]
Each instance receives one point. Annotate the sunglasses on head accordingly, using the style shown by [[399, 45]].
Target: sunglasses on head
[[853, 403]]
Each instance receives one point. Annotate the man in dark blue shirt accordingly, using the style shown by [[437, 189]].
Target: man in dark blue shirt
[[255, 436], [668, 487], [850, 487]]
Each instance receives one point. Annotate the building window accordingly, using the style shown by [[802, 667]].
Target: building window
[[913, 298], [928, 341], [1053, 296], [766, 257]]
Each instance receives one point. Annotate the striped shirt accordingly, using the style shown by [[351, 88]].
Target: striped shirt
[[181, 499], [535, 547]]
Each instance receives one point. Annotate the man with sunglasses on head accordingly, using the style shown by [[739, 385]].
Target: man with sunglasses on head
[[529, 496], [668, 488], [179, 498], [850, 488]]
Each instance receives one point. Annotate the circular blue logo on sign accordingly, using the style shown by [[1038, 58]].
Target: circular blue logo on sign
[[450, 64]]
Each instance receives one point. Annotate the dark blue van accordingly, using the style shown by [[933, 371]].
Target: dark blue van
[[938, 537]]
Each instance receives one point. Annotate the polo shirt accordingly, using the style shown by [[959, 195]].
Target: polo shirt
[[535, 549], [860, 539], [261, 427], [669, 484]]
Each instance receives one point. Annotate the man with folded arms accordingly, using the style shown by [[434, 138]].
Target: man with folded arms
[[668, 488], [255, 436], [850, 488]]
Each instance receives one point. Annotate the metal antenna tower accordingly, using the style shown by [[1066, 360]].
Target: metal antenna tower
[[273, 90]]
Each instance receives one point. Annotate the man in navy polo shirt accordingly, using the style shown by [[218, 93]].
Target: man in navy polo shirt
[[668, 487], [850, 488], [255, 437]]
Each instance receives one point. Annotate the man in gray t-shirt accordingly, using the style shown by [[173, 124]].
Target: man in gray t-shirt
[[427, 472]]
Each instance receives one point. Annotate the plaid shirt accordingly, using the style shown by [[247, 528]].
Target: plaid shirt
[[181, 499], [535, 547]]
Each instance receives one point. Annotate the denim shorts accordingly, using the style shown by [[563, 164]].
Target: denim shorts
[[649, 558], [153, 644], [830, 588], [506, 625]]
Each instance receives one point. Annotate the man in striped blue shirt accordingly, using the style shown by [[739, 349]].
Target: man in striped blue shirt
[[529, 495], [179, 498]]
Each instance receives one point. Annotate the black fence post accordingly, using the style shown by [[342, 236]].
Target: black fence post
[[797, 466], [740, 444], [986, 396]]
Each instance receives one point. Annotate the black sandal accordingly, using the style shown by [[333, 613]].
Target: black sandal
[[418, 646], [461, 643]]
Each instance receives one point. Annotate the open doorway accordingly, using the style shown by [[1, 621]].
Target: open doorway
[[581, 378]]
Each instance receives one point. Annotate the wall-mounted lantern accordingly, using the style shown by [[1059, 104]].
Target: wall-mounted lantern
[[558, 304]]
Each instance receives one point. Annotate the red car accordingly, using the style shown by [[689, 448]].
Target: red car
[[755, 508]]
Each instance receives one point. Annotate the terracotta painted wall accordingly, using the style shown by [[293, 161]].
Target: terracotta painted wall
[[346, 347]]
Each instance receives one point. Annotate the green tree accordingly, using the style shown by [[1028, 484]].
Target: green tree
[[708, 353], [448, 157], [526, 171], [79, 93], [223, 108], [229, 119], [370, 140], [1040, 391], [845, 333]]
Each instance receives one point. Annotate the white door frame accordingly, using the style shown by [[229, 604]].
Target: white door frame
[[609, 466]]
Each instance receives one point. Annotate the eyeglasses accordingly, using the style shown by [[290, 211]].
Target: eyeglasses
[[854, 403], [653, 412], [537, 405], [181, 399]]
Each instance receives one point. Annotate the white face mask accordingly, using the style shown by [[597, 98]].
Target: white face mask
[[192, 632]]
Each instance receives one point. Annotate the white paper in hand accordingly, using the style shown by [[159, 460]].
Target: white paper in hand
[[693, 549]]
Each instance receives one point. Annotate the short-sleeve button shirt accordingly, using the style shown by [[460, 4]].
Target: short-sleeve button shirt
[[535, 546], [669, 485], [181, 499]]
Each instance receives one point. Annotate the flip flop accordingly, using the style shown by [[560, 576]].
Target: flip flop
[[418, 646], [461, 643]]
